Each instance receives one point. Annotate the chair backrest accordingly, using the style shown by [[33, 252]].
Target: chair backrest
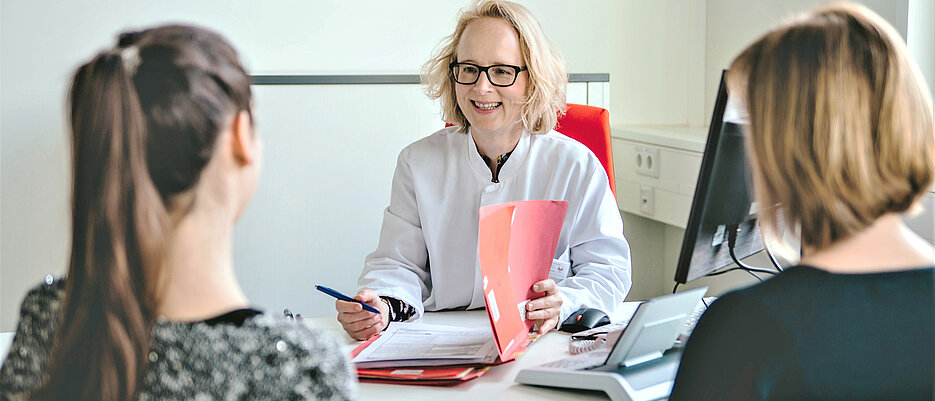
[[591, 126]]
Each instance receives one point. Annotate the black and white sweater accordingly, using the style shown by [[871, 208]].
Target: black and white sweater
[[240, 355]]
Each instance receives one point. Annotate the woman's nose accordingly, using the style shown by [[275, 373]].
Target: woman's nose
[[483, 84]]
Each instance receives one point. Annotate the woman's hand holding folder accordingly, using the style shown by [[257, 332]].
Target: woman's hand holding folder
[[545, 310]]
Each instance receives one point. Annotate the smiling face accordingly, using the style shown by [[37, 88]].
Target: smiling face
[[491, 110]]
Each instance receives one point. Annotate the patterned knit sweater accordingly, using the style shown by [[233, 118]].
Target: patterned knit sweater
[[257, 358]]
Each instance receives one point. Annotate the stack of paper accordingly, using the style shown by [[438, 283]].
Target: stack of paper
[[414, 344], [443, 355]]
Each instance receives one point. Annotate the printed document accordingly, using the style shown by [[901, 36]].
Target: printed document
[[415, 344]]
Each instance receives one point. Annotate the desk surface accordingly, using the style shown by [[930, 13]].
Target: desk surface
[[496, 384]]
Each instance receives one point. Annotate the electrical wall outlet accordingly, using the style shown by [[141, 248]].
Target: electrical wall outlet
[[647, 199], [647, 161]]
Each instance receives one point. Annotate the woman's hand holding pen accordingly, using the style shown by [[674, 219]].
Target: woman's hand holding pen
[[357, 322], [547, 308]]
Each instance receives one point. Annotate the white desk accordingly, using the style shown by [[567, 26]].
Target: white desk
[[496, 384]]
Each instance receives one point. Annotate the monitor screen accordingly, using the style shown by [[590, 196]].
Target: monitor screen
[[723, 198]]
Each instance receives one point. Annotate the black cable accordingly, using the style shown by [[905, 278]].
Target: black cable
[[731, 241], [753, 274], [773, 259], [718, 273], [676, 287], [746, 268]]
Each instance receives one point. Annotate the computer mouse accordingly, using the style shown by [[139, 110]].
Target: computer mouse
[[584, 319]]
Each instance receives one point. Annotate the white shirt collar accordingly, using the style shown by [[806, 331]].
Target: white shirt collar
[[512, 165]]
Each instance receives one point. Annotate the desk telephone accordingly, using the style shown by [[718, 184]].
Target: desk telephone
[[596, 338]]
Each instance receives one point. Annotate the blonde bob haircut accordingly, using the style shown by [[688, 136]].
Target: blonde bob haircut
[[841, 123], [545, 94]]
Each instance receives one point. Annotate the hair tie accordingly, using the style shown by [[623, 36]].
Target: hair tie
[[131, 58]]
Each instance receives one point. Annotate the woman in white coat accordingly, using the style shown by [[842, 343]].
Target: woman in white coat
[[502, 85]]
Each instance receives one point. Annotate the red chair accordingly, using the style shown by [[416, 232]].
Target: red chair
[[591, 126]]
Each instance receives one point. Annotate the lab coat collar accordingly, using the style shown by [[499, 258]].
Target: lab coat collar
[[509, 169]]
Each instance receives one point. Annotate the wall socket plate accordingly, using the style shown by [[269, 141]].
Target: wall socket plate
[[647, 199], [647, 161]]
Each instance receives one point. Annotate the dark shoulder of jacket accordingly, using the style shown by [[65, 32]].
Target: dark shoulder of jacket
[[44, 300], [35, 329], [729, 337]]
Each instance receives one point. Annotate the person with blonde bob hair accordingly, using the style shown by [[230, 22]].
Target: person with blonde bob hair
[[501, 84], [842, 142]]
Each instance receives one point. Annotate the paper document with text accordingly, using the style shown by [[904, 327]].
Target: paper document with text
[[408, 344]]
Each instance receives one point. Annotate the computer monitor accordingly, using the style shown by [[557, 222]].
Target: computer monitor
[[723, 199]]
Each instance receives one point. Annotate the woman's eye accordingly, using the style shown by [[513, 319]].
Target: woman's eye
[[469, 70], [501, 71]]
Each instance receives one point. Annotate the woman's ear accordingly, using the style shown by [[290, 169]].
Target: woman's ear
[[242, 138]]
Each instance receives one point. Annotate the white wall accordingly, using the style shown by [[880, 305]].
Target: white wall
[[41, 42], [733, 24], [718, 30], [921, 37], [663, 57]]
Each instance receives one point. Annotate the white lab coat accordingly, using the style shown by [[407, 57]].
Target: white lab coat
[[427, 254]]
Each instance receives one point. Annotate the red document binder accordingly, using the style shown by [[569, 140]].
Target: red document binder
[[516, 244]]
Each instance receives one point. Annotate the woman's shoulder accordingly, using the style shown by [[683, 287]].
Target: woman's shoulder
[[264, 357], [769, 303], [761, 298], [39, 312], [44, 295], [444, 138], [26, 361], [301, 338], [559, 145]]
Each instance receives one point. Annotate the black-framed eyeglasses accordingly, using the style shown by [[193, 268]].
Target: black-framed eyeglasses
[[501, 75]]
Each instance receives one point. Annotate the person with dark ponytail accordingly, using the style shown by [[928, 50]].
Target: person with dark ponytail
[[166, 159]]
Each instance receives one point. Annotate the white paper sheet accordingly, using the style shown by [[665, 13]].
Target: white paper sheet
[[408, 344]]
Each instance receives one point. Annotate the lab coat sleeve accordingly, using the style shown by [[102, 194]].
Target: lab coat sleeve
[[599, 253], [398, 267]]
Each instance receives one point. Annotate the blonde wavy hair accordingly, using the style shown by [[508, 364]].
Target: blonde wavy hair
[[841, 123], [545, 94]]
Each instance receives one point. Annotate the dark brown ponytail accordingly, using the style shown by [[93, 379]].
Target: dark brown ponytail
[[144, 120]]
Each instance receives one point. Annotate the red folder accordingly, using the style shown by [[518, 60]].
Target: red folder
[[516, 244], [435, 376], [429, 375]]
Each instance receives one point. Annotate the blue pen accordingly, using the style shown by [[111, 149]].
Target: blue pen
[[343, 297]]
